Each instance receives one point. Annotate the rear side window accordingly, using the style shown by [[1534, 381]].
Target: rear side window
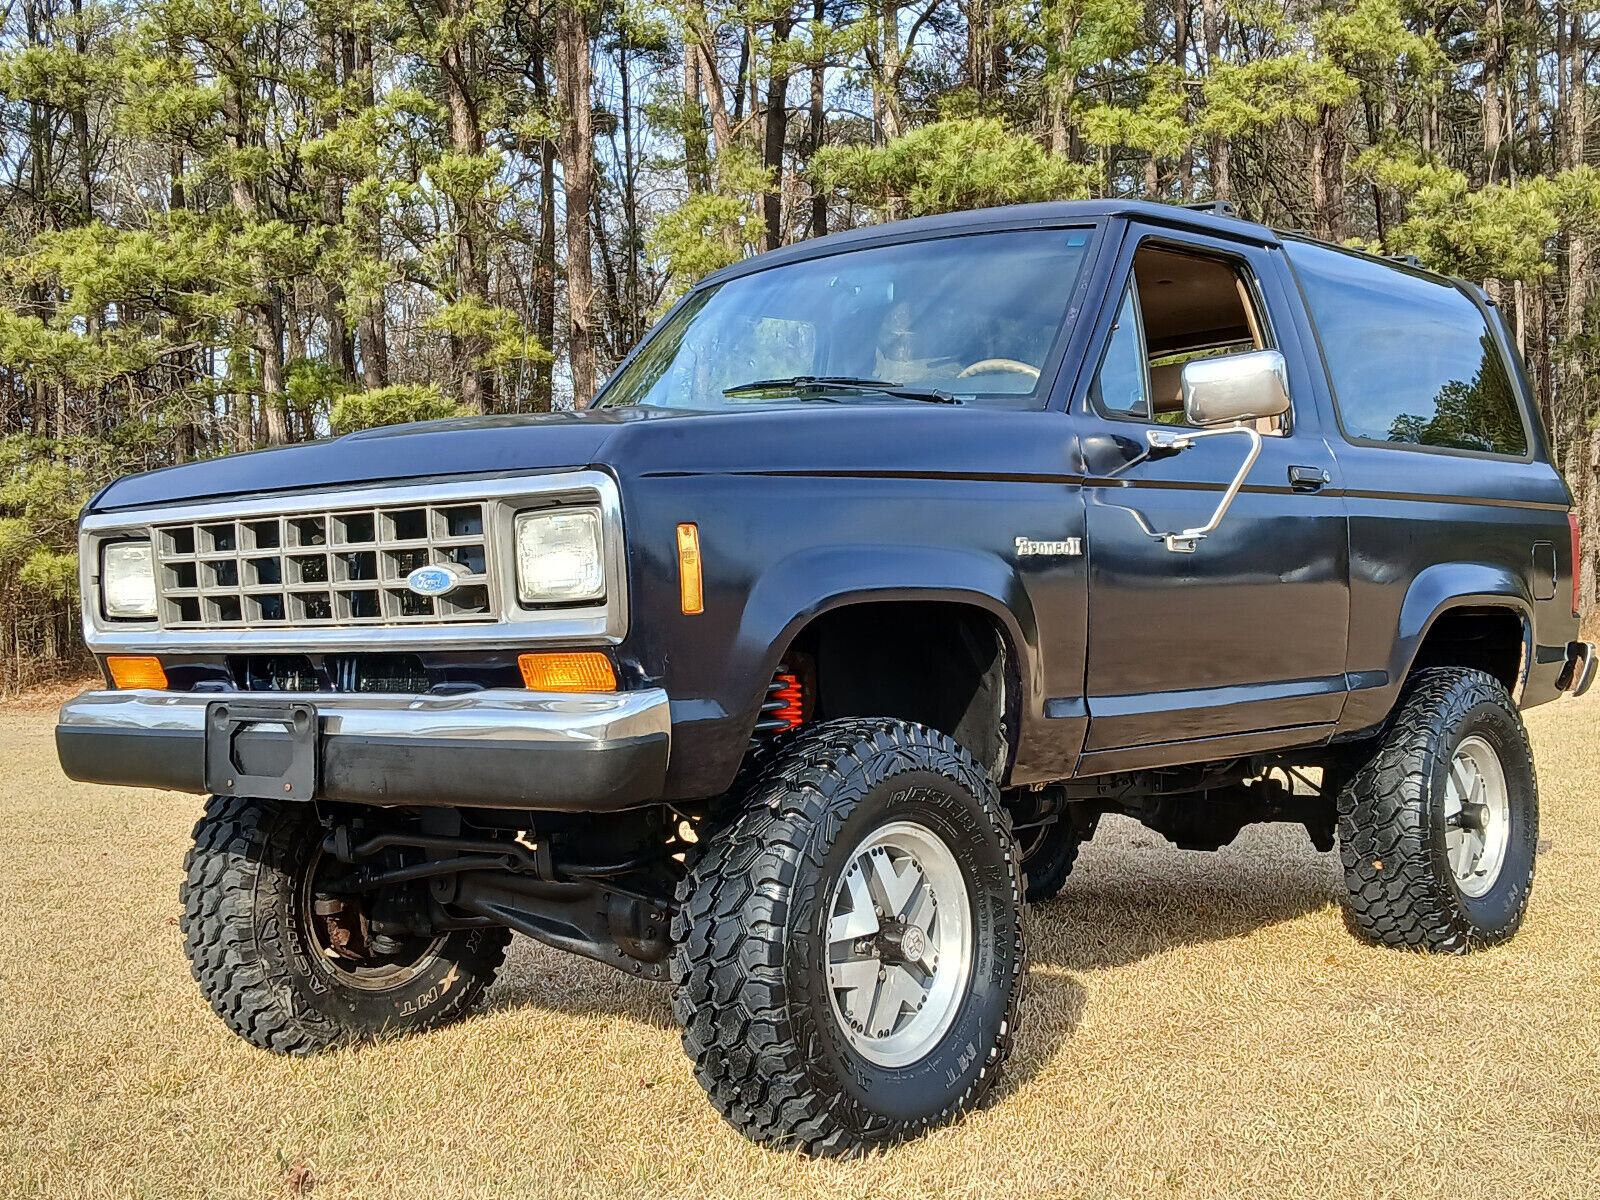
[[1411, 359]]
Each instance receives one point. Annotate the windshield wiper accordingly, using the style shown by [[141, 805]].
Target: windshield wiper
[[793, 382], [841, 383]]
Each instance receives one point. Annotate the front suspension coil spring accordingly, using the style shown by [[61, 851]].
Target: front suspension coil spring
[[783, 709]]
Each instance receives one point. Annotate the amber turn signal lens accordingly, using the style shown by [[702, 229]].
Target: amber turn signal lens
[[580, 672], [690, 588], [130, 673]]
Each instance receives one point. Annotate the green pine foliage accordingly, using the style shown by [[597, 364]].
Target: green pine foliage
[[948, 166]]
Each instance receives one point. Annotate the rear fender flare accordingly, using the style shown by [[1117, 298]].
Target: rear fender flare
[[1445, 586]]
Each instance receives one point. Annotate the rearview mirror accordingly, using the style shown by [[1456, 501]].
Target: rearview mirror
[[1235, 387]]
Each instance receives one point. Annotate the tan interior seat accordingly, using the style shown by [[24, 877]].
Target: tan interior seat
[[1166, 388]]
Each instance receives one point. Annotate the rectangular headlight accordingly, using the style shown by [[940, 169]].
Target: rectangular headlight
[[128, 580], [559, 556]]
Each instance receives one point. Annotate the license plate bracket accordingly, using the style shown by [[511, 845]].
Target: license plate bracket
[[242, 734]]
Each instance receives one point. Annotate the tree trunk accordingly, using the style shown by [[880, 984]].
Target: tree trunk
[[341, 354], [372, 336], [716, 102], [1532, 98], [1579, 442], [80, 125], [630, 203], [269, 345], [696, 150], [776, 133], [1327, 175], [545, 261], [818, 125], [1221, 148], [1493, 34], [574, 77], [459, 69], [1180, 59], [265, 316], [1062, 127], [891, 65]]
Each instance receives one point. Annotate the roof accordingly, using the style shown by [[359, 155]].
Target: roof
[[1014, 216], [1033, 216]]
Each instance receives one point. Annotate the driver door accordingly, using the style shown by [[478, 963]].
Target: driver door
[[1240, 645]]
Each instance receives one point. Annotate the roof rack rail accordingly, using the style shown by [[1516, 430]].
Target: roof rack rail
[[1405, 260], [1217, 208]]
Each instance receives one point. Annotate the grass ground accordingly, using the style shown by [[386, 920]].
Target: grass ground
[[1197, 1025]]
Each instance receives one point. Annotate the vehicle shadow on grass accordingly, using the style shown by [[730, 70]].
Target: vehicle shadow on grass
[[1133, 895], [539, 977], [1130, 896]]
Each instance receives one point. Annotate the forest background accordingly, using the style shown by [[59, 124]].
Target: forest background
[[234, 223]]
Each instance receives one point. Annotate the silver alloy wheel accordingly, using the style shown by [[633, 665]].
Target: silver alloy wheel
[[1477, 813], [900, 944]]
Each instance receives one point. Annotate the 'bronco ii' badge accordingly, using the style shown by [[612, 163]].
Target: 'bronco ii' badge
[[433, 581], [1027, 547]]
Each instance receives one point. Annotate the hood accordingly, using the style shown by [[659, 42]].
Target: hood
[[428, 450], [798, 438]]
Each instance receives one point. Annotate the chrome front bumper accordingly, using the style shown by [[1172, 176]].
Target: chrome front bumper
[[497, 748]]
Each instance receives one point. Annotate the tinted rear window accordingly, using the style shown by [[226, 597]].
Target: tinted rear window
[[1411, 359]]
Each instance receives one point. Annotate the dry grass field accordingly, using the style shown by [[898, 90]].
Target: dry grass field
[[1197, 1025]]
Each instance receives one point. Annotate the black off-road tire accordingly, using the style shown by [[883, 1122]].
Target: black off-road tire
[[750, 947], [1400, 889], [1048, 863], [259, 967]]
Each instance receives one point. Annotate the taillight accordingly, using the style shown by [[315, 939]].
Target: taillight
[[1572, 524]]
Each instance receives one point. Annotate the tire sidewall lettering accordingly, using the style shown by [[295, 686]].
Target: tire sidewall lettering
[[937, 802]]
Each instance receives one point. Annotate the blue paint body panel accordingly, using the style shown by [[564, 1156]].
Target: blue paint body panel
[[1294, 623]]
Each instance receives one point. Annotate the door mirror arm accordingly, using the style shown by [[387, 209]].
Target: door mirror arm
[[1187, 540], [1107, 455]]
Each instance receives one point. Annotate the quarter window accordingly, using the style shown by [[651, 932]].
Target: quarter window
[[1411, 359], [1119, 384]]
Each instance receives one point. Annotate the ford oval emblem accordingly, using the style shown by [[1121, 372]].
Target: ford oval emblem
[[432, 581]]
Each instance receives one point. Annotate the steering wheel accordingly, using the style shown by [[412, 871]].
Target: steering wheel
[[987, 366]]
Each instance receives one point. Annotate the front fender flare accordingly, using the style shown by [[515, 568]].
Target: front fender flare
[[794, 591]]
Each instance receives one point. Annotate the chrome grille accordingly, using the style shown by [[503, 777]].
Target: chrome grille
[[333, 567]]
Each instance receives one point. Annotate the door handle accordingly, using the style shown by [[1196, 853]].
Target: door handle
[[1308, 479]]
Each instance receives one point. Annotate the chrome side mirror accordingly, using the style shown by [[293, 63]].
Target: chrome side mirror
[[1235, 387]]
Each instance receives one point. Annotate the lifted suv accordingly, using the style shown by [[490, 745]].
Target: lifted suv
[[880, 571]]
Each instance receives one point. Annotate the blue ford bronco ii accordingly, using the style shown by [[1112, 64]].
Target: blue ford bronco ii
[[795, 666]]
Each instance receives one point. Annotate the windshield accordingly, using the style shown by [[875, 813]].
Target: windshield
[[970, 319]]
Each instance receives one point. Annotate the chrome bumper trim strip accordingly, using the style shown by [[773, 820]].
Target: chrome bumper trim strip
[[495, 715]]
